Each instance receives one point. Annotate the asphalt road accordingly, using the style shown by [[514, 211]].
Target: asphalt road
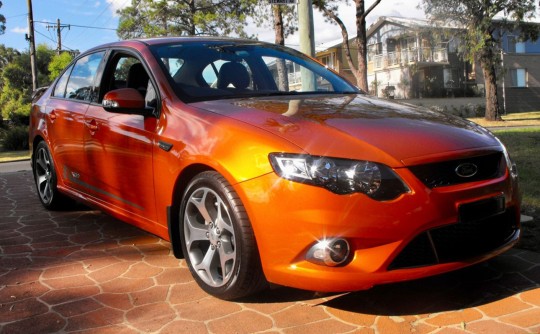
[[17, 166]]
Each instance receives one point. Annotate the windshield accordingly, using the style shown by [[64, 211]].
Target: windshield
[[202, 71]]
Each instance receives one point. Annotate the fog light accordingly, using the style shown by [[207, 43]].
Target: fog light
[[329, 252]]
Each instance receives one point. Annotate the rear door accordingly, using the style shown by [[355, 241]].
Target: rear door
[[65, 109]]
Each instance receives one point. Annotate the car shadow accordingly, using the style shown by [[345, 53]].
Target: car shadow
[[480, 284]]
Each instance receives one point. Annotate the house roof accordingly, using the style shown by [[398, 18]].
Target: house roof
[[331, 44], [406, 22]]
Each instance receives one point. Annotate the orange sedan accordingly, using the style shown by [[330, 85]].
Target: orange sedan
[[261, 165]]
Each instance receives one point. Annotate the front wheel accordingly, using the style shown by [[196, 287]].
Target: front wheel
[[217, 239]]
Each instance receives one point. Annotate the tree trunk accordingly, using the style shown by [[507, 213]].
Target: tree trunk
[[345, 36], [361, 44], [193, 9], [360, 71], [490, 77], [283, 81]]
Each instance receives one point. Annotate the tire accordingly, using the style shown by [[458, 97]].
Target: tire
[[46, 179], [217, 239]]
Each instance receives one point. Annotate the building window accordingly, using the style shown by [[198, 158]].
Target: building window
[[328, 60], [514, 46], [518, 77], [374, 50]]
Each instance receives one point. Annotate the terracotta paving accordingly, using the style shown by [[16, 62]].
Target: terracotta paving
[[82, 271]]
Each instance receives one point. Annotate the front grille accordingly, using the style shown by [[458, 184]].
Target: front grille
[[442, 174], [457, 242]]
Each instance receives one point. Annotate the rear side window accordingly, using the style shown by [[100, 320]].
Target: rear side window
[[80, 85], [60, 88]]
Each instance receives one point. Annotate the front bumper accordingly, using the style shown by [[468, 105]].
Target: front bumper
[[418, 234]]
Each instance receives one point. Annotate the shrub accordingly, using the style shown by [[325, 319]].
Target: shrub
[[15, 138]]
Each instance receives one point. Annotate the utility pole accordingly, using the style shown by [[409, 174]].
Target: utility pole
[[30, 38], [59, 28], [307, 40], [305, 27]]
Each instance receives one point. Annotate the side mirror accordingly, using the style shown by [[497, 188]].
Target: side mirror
[[126, 101]]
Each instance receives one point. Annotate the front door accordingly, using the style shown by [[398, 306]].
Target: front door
[[119, 147]]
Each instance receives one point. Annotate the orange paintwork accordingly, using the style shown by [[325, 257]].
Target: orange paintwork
[[130, 98], [113, 161]]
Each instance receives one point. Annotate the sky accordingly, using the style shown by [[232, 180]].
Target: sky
[[93, 22]]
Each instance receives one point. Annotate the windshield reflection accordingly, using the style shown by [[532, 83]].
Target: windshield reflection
[[202, 71]]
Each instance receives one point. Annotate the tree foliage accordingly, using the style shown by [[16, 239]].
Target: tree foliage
[[481, 38], [58, 63], [16, 79], [281, 18], [329, 9], [2, 22], [151, 18]]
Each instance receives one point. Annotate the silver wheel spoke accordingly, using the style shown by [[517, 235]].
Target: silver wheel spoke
[[40, 180], [201, 206], [225, 259], [206, 268], [47, 192], [209, 237], [224, 226], [196, 233], [41, 163]]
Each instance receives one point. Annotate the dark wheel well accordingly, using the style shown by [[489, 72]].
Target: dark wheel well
[[173, 219], [35, 143]]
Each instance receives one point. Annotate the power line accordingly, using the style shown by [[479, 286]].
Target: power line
[[47, 37], [97, 17], [10, 17], [76, 25], [90, 27]]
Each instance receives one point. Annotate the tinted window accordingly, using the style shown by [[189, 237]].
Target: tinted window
[[80, 85], [211, 73], [216, 70], [60, 89], [127, 71]]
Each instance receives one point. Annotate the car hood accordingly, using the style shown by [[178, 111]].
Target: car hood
[[359, 127]]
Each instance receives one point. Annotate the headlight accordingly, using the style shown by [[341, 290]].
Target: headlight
[[510, 164], [512, 167], [340, 176]]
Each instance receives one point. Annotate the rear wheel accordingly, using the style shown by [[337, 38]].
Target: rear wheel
[[46, 179], [217, 239]]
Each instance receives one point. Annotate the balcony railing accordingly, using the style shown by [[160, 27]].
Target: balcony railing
[[407, 57]]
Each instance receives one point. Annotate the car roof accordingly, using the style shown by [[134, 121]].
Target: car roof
[[172, 40]]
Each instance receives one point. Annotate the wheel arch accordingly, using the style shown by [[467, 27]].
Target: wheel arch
[[37, 139], [173, 218]]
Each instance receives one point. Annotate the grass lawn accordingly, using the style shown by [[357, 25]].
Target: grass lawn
[[510, 120], [14, 156], [524, 148]]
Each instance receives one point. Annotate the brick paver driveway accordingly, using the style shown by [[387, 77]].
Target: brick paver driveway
[[83, 271]]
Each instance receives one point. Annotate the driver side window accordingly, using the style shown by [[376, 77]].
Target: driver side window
[[129, 72]]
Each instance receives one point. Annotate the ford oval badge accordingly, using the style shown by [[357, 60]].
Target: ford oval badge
[[466, 169]]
